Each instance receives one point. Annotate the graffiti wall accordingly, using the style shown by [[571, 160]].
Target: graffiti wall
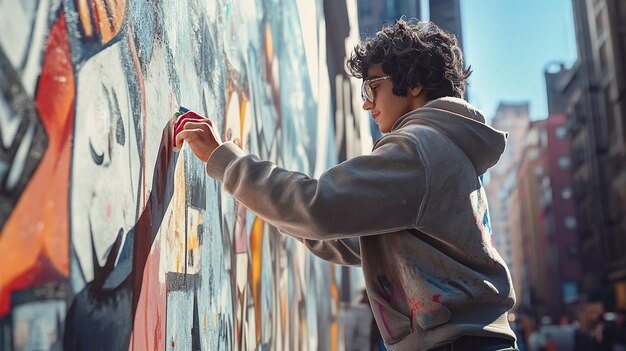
[[110, 240]]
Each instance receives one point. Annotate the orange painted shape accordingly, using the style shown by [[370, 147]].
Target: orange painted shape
[[269, 43], [256, 253], [83, 15], [243, 103], [110, 17], [334, 336], [101, 20], [283, 310]]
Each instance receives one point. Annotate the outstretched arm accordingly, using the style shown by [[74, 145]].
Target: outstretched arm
[[373, 194]]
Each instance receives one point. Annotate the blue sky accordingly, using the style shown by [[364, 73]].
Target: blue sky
[[508, 43]]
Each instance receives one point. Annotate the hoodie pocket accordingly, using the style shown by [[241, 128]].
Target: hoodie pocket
[[393, 325]]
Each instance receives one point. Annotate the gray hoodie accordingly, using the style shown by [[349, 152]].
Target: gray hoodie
[[413, 214]]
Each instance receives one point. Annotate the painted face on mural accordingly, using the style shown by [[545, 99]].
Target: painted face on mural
[[105, 178]]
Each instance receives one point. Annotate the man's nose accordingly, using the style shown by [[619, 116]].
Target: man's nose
[[367, 105]]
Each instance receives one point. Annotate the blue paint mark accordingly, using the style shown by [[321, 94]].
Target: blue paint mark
[[427, 319], [143, 23], [386, 286], [227, 11], [461, 288], [438, 284], [183, 109]]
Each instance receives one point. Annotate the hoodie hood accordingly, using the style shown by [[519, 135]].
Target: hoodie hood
[[465, 125]]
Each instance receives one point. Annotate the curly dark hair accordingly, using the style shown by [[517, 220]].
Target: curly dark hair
[[413, 53]]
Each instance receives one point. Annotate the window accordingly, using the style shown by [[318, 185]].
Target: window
[[567, 193], [604, 61], [560, 132], [599, 24], [564, 162], [570, 222], [570, 292]]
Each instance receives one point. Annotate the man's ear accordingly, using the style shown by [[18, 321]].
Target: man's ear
[[416, 90]]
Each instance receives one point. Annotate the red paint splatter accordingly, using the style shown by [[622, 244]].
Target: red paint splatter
[[437, 298], [415, 306], [173, 344], [381, 311]]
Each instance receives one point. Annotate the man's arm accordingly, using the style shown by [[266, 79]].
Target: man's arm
[[372, 194]]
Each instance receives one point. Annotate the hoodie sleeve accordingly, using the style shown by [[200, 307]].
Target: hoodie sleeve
[[346, 251], [372, 194]]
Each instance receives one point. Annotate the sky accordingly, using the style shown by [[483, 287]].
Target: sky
[[509, 44]]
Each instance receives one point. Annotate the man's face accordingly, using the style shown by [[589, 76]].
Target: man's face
[[387, 107]]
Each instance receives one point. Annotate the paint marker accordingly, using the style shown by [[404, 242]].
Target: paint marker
[[181, 111]]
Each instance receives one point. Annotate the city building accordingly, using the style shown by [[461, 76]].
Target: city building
[[547, 222], [533, 291], [594, 101], [512, 118], [447, 15], [374, 13]]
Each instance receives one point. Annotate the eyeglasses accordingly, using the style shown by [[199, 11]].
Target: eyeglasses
[[367, 93]]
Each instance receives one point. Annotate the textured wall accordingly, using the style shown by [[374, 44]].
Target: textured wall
[[108, 239]]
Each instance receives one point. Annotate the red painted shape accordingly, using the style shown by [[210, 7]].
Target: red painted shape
[[55, 92], [173, 344], [437, 298], [96, 17]]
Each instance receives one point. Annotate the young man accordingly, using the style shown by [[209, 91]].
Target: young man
[[413, 213]]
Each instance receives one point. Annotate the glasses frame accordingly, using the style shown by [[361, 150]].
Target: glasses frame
[[367, 93]]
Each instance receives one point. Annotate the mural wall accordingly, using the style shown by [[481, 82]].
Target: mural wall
[[109, 240]]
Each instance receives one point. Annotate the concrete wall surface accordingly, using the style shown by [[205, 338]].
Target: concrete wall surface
[[109, 240]]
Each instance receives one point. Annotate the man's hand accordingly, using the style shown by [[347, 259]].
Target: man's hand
[[198, 132]]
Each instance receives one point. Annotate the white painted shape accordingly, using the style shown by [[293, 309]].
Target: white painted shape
[[16, 25], [324, 110], [307, 10], [9, 123], [361, 116], [33, 61], [165, 253], [232, 118]]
